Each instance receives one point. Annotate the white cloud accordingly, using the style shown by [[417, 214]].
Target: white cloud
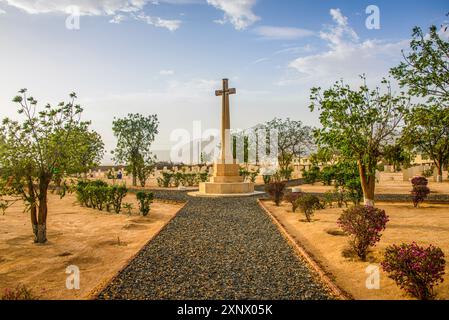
[[171, 25], [87, 7], [119, 9], [237, 12], [282, 33], [2, 11], [347, 56], [117, 19], [166, 72]]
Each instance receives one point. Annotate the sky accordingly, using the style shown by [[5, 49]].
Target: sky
[[167, 57]]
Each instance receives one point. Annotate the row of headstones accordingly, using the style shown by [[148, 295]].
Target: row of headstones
[[297, 169]]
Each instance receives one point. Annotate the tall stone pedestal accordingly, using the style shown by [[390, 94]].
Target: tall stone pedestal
[[226, 180]]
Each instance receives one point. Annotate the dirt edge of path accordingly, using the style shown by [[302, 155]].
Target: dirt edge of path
[[324, 275], [93, 294]]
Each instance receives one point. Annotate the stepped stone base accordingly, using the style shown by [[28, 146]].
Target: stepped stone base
[[226, 188], [226, 181]]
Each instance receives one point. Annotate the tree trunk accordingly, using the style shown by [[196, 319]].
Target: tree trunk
[[43, 209], [439, 172], [368, 182], [134, 173], [33, 208]]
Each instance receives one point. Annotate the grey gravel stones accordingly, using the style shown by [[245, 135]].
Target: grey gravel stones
[[217, 249]]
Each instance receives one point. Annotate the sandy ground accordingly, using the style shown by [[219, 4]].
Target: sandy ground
[[426, 225], [99, 243], [385, 187]]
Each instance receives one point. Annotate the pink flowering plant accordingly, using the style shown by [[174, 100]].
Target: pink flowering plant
[[420, 190], [364, 225], [415, 269]]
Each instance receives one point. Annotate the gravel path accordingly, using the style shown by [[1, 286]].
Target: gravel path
[[217, 249]]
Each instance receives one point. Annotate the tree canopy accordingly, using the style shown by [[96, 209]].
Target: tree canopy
[[359, 124], [427, 132], [41, 149], [425, 69], [135, 134]]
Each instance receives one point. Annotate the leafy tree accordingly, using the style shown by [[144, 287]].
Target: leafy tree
[[40, 150], [294, 140], [144, 169], [425, 69], [324, 156], [396, 155], [360, 124], [427, 131], [90, 151], [135, 134]]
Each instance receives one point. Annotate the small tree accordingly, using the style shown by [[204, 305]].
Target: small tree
[[363, 224], [427, 131], [360, 124], [294, 140], [308, 203], [145, 200], [415, 269], [292, 198], [40, 150], [135, 134], [397, 156], [90, 151]]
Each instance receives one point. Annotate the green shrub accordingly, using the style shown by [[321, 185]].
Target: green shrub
[[145, 199], [165, 180], [203, 176], [253, 175], [98, 195], [329, 198], [266, 178], [190, 179], [117, 195], [177, 179], [308, 203], [312, 175], [327, 175], [128, 206], [428, 173], [286, 173], [243, 172]]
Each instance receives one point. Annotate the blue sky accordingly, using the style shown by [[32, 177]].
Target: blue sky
[[167, 57]]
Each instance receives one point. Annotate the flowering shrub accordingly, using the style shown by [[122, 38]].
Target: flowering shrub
[[363, 224], [415, 269], [420, 190], [292, 198], [276, 191], [420, 181], [308, 204], [19, 293]]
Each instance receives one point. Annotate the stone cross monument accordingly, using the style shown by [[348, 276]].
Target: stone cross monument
[[226, 153], [226, 179]]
